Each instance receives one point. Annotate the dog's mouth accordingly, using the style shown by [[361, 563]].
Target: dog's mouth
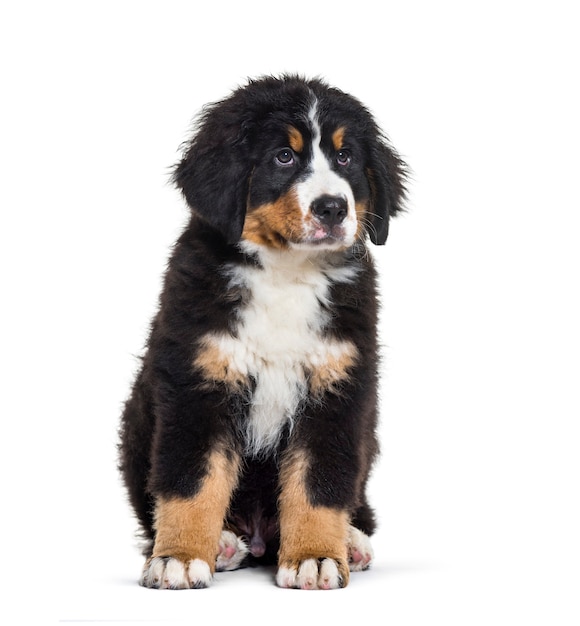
[[321, 234]]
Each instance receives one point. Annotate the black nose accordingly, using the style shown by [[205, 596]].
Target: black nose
[[330, 210]]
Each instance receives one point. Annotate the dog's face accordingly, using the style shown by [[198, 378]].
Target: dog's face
[[288, 163], [308, 187]]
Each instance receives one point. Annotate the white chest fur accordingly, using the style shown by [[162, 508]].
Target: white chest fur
[[280, 341]]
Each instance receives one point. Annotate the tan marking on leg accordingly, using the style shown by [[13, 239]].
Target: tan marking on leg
[[340, 358], [215, 364], [295, 139], [189, 529], [307, 531], [338, 137]]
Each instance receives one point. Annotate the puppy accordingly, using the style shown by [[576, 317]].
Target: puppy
[[250, 430]]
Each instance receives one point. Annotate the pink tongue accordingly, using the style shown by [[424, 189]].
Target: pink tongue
[[319, 233]]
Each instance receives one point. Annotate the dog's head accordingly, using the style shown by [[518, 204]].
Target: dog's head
[[285, 162]]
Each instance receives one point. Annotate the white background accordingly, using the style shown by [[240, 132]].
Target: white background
[[477, 491]]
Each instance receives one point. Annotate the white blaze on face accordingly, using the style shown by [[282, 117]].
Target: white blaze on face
[[324, 181]]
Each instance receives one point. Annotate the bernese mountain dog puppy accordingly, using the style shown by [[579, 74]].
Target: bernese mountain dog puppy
[[250, 431]]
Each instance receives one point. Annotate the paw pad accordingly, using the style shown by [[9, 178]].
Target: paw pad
[[232, 551]]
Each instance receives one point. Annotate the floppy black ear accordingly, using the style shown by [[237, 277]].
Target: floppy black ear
[[387, 174], [214, 173]]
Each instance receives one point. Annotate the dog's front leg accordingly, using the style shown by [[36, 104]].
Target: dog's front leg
[[188, 529], [313, 538]]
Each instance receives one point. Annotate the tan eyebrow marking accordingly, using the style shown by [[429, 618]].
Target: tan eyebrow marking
[[338, 137], [295, 139]]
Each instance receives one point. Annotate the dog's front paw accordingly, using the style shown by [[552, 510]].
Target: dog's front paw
[[173, 573], [360, 551], [232, 551], [322, 573]]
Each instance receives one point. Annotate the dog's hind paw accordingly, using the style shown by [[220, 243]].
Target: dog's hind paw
[[360, 550], [232, 551]]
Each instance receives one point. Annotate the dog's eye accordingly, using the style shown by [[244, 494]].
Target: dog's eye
[[285, 157], [343, 157]]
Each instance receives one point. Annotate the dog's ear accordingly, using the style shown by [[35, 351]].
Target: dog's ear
[[215, 170], [387, 174]]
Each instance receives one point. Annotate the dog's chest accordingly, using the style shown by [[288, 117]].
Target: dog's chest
[[280, 343]]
